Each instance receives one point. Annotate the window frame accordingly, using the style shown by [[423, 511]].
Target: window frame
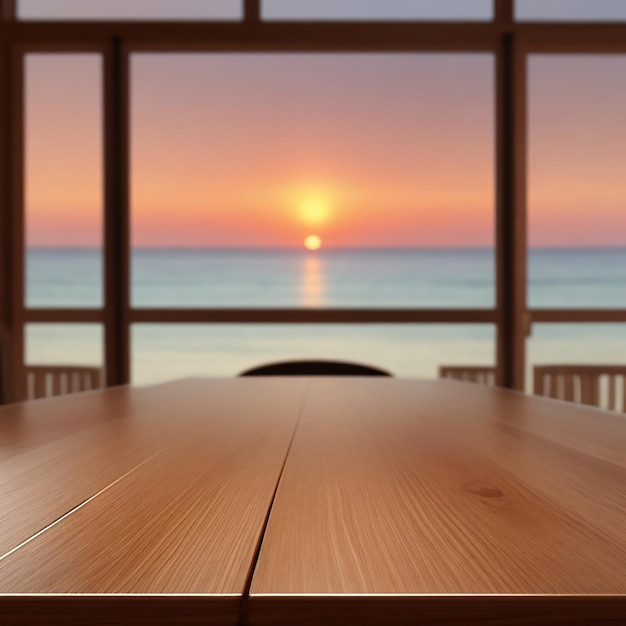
[[510, 42]]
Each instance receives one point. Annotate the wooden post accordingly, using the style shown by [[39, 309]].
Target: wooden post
[[511, 211], [252, 11], [12, 378], [11, 225], [5, 225], [116, 219], [504, 12]]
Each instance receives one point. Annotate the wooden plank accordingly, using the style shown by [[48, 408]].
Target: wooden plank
[[56, 453], [187, 521], [397, 489]]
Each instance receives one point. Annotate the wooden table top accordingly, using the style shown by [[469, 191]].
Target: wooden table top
[[312, 501], [181, 515]]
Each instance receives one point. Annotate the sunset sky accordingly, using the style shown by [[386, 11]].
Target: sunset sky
[[359, 149]]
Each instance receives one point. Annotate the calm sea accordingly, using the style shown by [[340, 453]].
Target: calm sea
[[378, 278]]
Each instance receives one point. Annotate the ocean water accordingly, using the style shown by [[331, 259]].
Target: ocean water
[[375, 278]]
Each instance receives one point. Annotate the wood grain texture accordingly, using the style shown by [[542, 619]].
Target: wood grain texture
[[27, 425], [401, 487], [56, 453], [189, 520]]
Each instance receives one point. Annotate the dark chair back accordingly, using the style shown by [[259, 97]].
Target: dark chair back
[[314, 368]]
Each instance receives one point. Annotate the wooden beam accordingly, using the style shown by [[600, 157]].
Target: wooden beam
[[573, 316], [263, 36], [343, 316], [313, 316], [116, 218], [511, 214], [256, 35], [573, 38]]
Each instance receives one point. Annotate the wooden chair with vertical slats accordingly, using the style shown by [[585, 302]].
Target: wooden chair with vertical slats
[[603, 386], [44, 381], [469, 373]]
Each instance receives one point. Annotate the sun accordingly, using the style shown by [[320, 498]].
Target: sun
[[312, 242], [314, 211]]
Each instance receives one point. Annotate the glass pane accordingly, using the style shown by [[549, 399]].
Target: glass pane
[[67, 358], [129, 9], [64, 187], [168, 351], [571, 10], [582, 345], [378, 9], [577, 187], [239, 162]]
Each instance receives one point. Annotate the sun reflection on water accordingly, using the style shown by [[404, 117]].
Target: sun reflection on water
[[312, 282]]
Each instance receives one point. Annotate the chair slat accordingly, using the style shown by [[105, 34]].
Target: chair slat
[[57, 388], [554, 387], [612, 397], [40, 385], [568, 387]]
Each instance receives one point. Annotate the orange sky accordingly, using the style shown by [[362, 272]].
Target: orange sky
[[380, 150]]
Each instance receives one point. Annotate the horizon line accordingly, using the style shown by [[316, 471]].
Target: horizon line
[[332, 248]]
